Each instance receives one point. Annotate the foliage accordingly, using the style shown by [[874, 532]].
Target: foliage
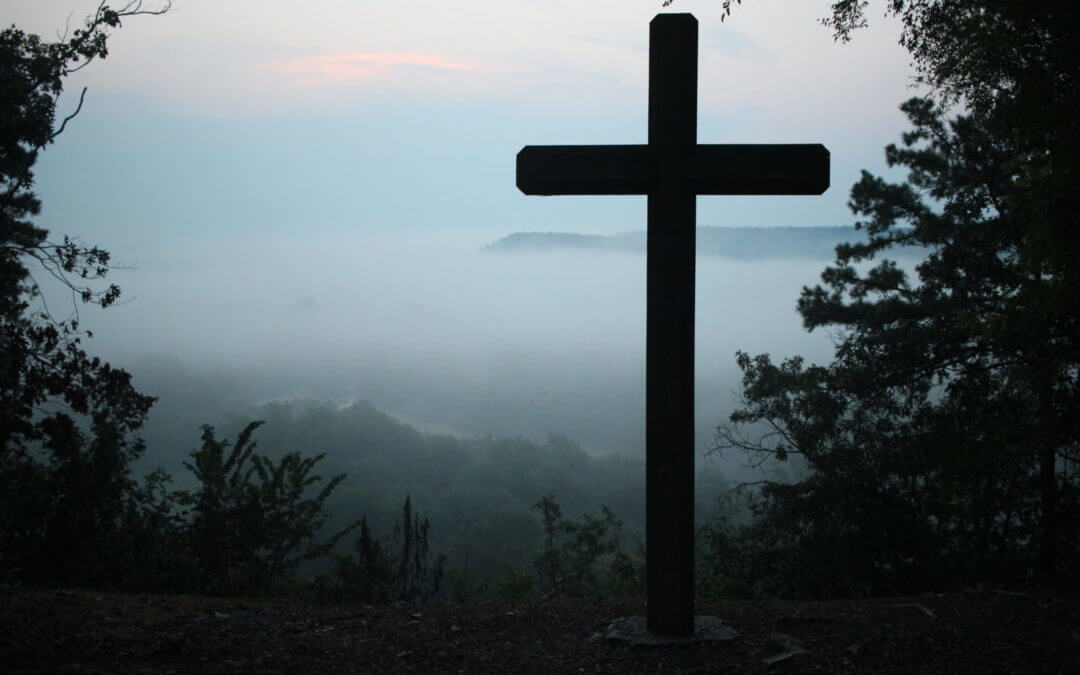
[[937, 447], [43, 360], [373, 575], [79, 518], [549, 563], [478, 493], [514, 583], [722, 569], [1014, 66], [82, 521], [938, 440], [72, 512], [586, 557], [1011, 63], [412, 578], [252, 525], [988, 53], [725, 7], [367, 576]]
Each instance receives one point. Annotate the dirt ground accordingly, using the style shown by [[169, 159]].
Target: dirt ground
[[77, 631]]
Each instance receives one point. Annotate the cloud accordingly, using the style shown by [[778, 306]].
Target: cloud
[[338, 68]]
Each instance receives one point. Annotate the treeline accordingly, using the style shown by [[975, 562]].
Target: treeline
[[341, 518], [372, 510], [480, 494]]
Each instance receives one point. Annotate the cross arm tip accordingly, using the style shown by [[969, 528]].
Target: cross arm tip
[[584, 169], [674, 18]]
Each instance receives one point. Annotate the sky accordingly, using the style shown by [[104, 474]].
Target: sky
[[302, 189], [261, 118]]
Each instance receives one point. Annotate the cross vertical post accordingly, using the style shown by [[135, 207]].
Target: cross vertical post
[[669, 328], [672, 169]]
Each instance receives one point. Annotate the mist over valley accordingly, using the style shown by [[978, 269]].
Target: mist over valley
[[435, 329]]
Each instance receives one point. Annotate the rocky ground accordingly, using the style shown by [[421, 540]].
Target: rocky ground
[[77, 631]]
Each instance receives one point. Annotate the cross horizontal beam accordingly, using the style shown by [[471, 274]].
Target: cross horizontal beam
[[742, 169]]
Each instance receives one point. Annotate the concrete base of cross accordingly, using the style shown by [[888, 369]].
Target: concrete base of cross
[[632, 630]]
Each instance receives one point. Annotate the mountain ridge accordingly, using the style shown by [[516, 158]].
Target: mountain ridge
[[740, 243]]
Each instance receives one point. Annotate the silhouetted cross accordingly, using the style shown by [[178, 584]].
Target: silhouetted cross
[[672, 170]]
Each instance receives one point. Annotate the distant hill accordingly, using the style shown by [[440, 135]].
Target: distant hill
[[742, 243]]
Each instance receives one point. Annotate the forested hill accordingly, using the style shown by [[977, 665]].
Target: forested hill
[[741, 243]]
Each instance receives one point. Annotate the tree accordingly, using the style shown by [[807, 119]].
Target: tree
[[412, 577], [939, 439], [252, 524], [369, 575], [948, 404], [366, 576], [1014, 65], [586, 557], [65, 417]]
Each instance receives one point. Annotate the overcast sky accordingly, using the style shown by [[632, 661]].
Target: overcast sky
[[277, 118]]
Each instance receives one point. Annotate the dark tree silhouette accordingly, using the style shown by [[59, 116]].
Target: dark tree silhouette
[[939, 440], [943, 426], [65, 485], [253, 522]]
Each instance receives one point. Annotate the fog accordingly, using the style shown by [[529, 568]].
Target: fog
[[432, 329]]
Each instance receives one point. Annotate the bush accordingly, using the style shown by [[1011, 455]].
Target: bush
[[252, 525], [586, 557]]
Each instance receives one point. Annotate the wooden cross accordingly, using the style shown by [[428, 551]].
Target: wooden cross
[[672, 170]]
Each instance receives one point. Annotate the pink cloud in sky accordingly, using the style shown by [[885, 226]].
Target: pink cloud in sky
[[359, 66]]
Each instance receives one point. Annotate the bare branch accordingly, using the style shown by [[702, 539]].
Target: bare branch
[[134, 8], [62, 37], [63, 125], [741, 487], [104, 15]]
